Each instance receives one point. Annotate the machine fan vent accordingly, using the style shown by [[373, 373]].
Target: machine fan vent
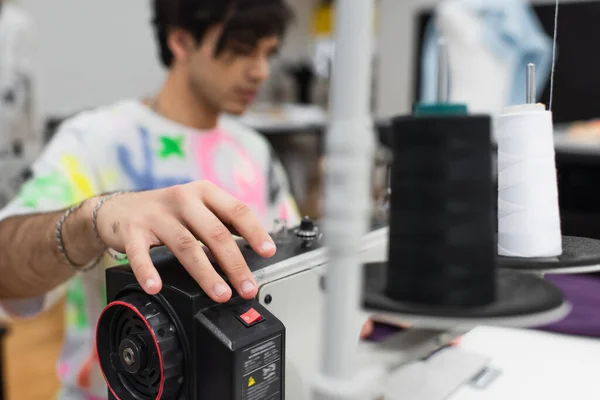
[[139, 349]]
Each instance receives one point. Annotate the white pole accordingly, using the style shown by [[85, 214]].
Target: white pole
[[350, 147]]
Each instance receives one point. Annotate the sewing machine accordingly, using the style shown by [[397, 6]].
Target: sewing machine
[[214, 341]]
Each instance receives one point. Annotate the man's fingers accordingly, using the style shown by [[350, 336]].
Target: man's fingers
[[191, 254], [367, 329], [138, 254], [211, 231], [237, 215]]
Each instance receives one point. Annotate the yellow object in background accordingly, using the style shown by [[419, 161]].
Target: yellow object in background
[[324, 19]]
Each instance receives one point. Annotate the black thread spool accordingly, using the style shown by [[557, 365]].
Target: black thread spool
[[442, 248]]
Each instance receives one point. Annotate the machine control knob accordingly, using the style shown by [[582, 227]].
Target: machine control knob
[[307, 230]]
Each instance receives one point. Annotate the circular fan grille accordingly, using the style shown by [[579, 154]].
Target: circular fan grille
[[129, 327], [138, 349]]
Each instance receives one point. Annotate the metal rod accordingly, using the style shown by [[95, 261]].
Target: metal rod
[[443, 81], [350, 148], [531, 95]]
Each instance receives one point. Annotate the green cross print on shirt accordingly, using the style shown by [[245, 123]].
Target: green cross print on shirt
[[172, 146]]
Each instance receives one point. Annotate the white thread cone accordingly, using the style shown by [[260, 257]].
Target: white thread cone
[[528, 209]]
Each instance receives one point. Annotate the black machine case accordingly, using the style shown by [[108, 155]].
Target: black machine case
[[180, 345]]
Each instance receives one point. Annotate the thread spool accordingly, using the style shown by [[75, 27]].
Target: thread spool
[[442, 247], [528, 208]]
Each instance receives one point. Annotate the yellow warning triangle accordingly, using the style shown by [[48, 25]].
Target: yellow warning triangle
[[251, 381]]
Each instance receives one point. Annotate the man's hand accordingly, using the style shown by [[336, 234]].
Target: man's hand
[[181, 217]]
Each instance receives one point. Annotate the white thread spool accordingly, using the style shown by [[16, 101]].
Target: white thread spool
[[528, 209]]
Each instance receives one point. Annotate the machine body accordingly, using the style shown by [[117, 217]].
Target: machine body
[[180, 345], [211, 347], [183, 346], [292, 294]]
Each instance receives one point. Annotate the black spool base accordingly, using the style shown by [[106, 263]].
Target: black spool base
[[580, 255], [522, 300]]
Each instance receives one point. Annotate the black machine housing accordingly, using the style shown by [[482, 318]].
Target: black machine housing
[[181, 345]]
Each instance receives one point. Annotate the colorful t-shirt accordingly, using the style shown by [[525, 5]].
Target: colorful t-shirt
[[129, 147]]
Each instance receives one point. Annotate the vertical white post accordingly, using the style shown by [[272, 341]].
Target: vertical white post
[[350, 147]]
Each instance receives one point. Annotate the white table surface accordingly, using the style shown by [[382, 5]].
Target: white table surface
[[535, 365]]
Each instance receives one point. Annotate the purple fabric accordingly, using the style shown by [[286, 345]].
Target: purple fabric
[[382, 332], [583, 292]]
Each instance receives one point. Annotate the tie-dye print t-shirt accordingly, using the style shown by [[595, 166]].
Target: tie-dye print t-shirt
[[128, 147]]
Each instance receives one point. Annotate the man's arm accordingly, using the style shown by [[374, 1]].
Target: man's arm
[[132, 223], [179, 217], [31, 264]]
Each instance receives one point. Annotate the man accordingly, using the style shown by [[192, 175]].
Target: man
[[188, 174]]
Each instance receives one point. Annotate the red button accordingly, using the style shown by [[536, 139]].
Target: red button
[[251, 316]]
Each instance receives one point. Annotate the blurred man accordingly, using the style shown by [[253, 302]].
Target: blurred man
[[188, 174]]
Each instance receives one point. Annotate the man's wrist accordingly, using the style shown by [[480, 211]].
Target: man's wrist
[[80, 240]]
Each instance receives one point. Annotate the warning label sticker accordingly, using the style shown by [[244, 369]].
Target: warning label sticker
[[263, 371], [264, 384]]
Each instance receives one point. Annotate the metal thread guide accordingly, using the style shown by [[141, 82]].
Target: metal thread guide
[[531, 103], [553, 55], [443, 81], [442, 105], [531, 95]]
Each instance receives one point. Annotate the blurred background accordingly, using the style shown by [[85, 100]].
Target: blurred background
[[76, 55]]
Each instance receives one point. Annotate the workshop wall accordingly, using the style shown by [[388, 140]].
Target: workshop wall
[[77, 52], [83, 63]]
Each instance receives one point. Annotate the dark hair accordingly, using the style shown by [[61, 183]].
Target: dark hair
[[244, 21]]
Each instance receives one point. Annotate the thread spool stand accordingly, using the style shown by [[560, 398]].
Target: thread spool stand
[[521, 300], [579, 255], [337, 380], [442, 266], [428, 228], [411, 286]]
